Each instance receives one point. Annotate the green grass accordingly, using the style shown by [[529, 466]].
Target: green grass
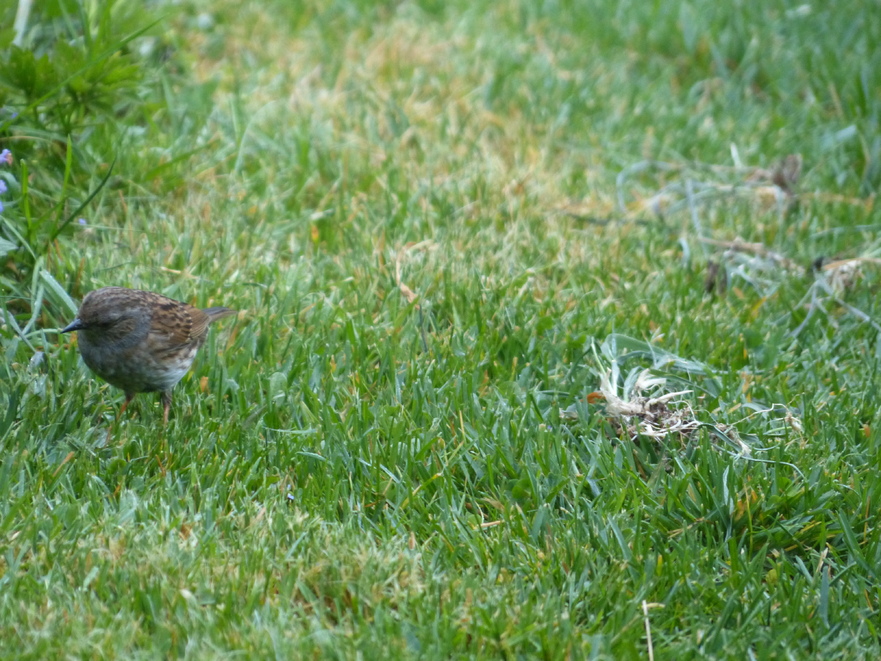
[[366, 475]]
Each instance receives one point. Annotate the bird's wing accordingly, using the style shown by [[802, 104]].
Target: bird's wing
[[180, 322]]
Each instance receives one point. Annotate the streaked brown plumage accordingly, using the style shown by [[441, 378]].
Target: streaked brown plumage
[[140, 341]]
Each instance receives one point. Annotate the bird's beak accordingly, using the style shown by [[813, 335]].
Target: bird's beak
[[76, 324]]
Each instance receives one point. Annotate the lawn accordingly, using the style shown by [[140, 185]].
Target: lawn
[[558, 334]]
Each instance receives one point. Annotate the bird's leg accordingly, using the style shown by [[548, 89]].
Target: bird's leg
[[166, 405], [129, 396]]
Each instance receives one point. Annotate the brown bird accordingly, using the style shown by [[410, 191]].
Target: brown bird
[[140, 341]]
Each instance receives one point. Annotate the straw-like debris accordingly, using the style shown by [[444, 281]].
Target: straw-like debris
[[843, 274], [784, 175], [636, 414], [758, 250]]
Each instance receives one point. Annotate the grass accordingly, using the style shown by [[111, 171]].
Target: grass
[[438, 222]]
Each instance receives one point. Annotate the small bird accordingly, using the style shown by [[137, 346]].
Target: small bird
[[140, 341]]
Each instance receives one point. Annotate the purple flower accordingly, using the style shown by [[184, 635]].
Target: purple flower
[[3, 188], [82, 221], [6, 155], [1, 207]]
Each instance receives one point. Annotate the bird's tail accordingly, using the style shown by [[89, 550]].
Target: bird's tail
[[218, 313]]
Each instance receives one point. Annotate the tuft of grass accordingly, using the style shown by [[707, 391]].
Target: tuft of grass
[[445, 224]]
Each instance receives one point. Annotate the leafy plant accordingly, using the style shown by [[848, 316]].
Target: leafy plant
[[68, 95]]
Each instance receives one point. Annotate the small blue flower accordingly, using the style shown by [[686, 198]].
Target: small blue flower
[[82, 221], [6, 155], [3, 188], [1, 207]]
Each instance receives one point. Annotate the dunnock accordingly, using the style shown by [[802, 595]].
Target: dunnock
[[140, 341]]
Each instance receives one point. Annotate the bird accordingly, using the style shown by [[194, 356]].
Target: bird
[[140, 341]]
